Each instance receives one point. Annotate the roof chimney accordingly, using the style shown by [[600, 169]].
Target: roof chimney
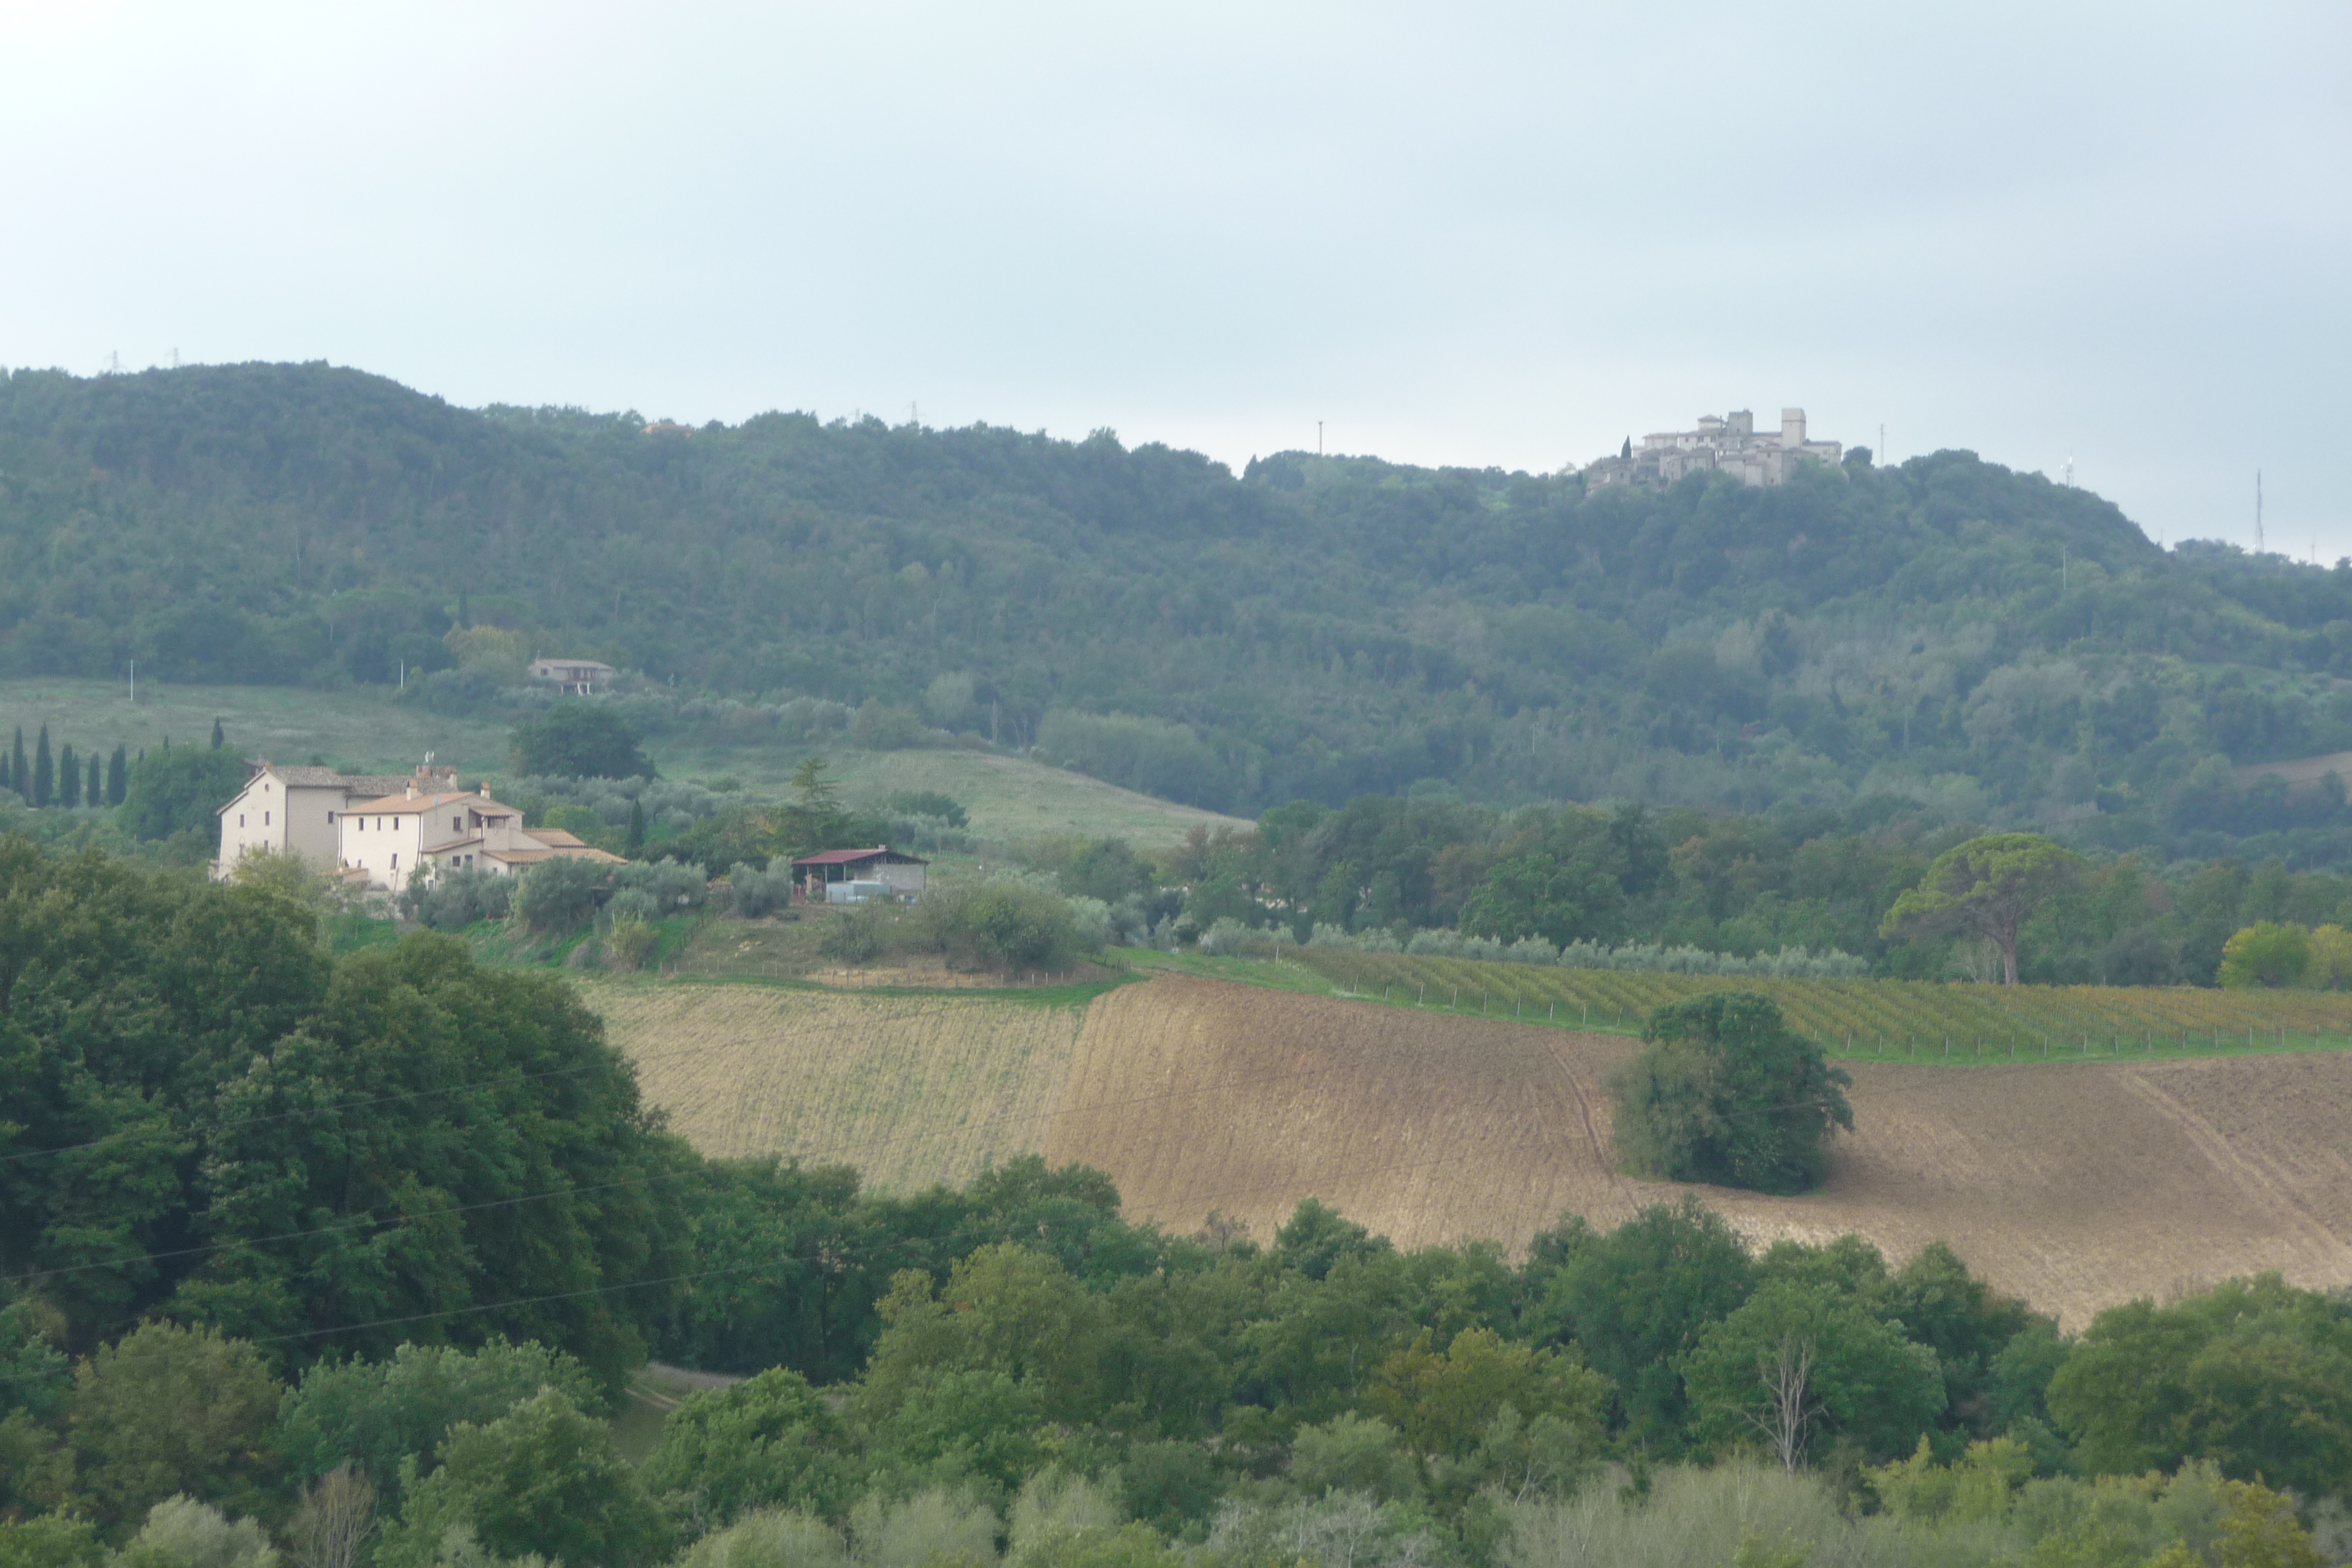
[[486, 789], [412, 789]]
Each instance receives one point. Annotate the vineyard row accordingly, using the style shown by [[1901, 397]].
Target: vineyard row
[[1879, 1019]]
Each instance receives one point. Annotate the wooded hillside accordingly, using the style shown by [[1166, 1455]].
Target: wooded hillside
[[1983, 640]]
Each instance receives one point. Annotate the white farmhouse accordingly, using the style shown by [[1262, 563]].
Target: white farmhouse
[[376, 829], [385, 841], [293, 811]]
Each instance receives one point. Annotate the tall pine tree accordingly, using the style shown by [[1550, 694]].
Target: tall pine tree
[[118, 775], [20, 773], [68, 778], [96, 794], [45, 771]]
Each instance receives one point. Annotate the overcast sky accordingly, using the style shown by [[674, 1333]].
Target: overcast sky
[[1461, 234]]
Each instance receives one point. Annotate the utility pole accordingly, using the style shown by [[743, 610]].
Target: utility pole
[[2258, 511], [135, 683], [1882, 443], [1318, 438]]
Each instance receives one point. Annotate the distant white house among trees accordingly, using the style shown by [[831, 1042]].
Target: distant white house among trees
[[581, 676], [375, 830]]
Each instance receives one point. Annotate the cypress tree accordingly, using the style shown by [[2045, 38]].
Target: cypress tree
[[45, 771], [118, 775], [20, 773], [68, 778], [637, 826], [217, 736], [96, 794], [7, 778]]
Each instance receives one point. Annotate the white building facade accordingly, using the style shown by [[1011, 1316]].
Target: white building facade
[[384, 842], [294, 811], [375, 829]]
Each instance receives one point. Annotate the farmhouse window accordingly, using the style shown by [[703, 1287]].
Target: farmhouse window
[[395, 859], [240, 819], [265, 819], [457, 825]]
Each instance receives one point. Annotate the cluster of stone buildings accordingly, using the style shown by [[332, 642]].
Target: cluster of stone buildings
[[1722, 443], [375, 830]]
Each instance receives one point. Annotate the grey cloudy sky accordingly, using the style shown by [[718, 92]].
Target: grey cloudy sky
[[1477, 233]]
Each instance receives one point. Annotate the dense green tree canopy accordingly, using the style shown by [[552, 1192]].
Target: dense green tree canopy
[[2255, 1374], [580, 739], [542, 1480], [209, 1116], [1725, 1092], [1988, 886], [182, 791]]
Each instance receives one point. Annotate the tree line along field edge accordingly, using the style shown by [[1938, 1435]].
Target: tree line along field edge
[[1864, 1018]]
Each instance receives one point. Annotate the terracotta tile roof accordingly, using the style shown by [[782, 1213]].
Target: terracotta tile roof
[[374, 784], [403, 803], [370, 785], [305, 778], [554, 852]]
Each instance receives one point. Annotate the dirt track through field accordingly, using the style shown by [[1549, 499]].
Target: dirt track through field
[[2075, 1185]]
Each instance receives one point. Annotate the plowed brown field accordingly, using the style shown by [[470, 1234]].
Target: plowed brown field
[[2073, 1186]]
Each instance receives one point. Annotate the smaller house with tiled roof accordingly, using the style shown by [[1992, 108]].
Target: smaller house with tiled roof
[[901, 873], [383, 842]]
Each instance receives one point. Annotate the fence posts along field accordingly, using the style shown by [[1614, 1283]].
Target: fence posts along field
[[1877, 1019]]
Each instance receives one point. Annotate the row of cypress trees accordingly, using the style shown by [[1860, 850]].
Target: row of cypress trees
[[63, 780]]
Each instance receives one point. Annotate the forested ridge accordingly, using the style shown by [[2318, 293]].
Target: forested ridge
[[1987, 642]]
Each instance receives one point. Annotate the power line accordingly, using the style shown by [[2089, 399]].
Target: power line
[[821, 1256]]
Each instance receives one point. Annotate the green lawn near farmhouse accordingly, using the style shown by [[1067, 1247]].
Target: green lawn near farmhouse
[[362, 730]]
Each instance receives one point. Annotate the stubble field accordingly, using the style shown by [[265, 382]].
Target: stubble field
[[2076, 1185], [910, 1090]]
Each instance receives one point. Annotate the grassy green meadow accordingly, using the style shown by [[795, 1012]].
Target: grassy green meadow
[[361, 730]]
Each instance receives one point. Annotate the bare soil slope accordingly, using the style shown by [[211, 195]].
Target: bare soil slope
[[2075, 1185]]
